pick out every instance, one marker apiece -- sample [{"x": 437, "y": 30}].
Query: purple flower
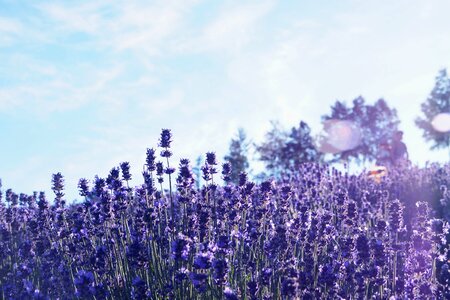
[
  {"x": 159, "y": 168},
  {"x": 84, "y": 283},
  {"x": 266, "y": 186},
  {"x": 83, "y": 187},
  {"x": 211, "y": 158},
  {"x": 230, "y": 294},
  {"x": 226, "y": 172},
  {"x": 149, "y": 183},
  {"x": 184, "y": 169},
  {"x": 58, "y": 187},
  {"x": 160, "y": 171},
  {"x": 362, "y": 246},
  {"x": 220, "y": 267},
  {"x": 181, "y": 247},
  {"x": 125, "y": 166},
  {"x": 58, "y": 182},
  {"x": 203, "y": 260},
  {"x": 243, "y": 177},
  {"x": 181, "y": 275},
  {"x": 150, "y": 159},
  {"x": 379, "y": 253},
  {"x": 42, "y": 202},
  {"x": 166, "y": 138},
  {"x": 136, "y": 253},
  {"x": 99, "y": 186},
  {"x": 113, "y": 180},
  {"x": 206, "y": 170},
  {"x": 139, "y": 289},
  {"x": 166, "y": 153},
  {"x": 223, "y": 242},
  {"x": 351, "y": 213},
  {"x": 381, "y": 226},
  {"x": 169, "y": 170},
  {"x": 395, "y": 215},
  {"x": 199, "y": 281}
]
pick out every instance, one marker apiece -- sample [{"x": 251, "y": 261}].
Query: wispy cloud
[
  {"x": 57, "y": 94},
  {"x": 123, "y": 70},
  {"x": 234, "y": 27},
  {"x": 86, "y": 18},
  {"x": 130, "y": 25},
  {"x": 8, "y": 25},
  {"x": 9, "y": 30}
]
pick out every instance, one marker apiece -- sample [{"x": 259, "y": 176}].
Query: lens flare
[
  {"x": 338, "y": 136},
  {"x": 441, "y": 122}
]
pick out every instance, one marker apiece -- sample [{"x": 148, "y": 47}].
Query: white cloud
[
  {"x": 9, "y": 99},
  {"x": 131, "y": 25},
  {"x": 8, "y": 25},
  {"x": 86, "y": 18},
  {"x": 234, "y": 27},
  {"x": 145, "y": 28},
  {"x": 10, "y": 29},
  {"x": 58, "y": 94},
  {"x": 159, "y": 106}
]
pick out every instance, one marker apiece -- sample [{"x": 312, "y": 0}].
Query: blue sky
[{"x": 87, "y": 85}]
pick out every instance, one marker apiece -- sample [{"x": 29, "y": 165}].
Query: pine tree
[
  {"x": 437, "y": 102},
  {"x": 300, "y": 148},
  {"x": 237, "y": 155},
  {"x": 283, "y": 152},
  {"x": 270, "y": 150}
]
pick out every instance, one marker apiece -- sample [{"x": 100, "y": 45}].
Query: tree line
[{"x": 373, "y": 126}]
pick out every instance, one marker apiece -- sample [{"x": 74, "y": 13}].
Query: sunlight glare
[{"x": 441, "y": 122}]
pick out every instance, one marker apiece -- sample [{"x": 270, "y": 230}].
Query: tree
[
  {"x": 283, "y": 152},
  {"x": 300, "y": 147},
  {"x": 374, "y": 125},
  {"x": 437, "y": 102},
  {"x": 237, "y": 155},
  {"x": 270, "y": 150}
]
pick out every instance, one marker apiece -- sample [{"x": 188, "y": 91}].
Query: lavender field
[
  {"x": 308, "y": 155},
  {"x": 318, "y": 234}
]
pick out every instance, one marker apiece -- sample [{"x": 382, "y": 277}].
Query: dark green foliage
[
  {"x": 437, "y": 102},
  {"x": 283, "y": 152},
  {"x": 237, "y": 155},
  {"x": 377, "y": 123}
]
